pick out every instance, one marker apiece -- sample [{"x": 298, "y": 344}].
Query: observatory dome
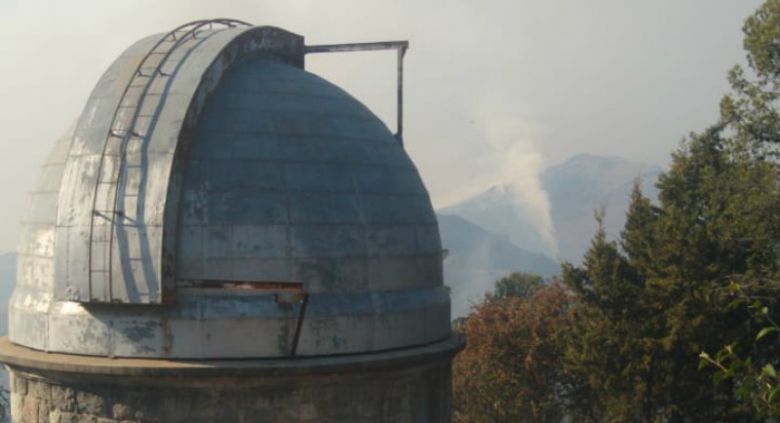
[{"x": 216, "y": 200}]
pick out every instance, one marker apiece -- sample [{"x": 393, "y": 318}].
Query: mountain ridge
[
  {"x": 476, "y": 258},
  {"x": 575, "y": 189}
]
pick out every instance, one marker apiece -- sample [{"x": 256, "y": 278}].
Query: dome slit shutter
[{"x": 114, "y": 236}]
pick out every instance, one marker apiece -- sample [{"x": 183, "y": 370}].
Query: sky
[{"x": 494, "y": 89}]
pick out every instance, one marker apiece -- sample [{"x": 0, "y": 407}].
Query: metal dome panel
[
  {"x": 279, "y": 216},
  {"x": 290, "y": 179},
  {"x": 113, "y": 204}
]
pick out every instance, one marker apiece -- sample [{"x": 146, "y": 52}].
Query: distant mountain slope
[
  {"x": 497, "y": 210},
  {"x": 575, "y": 188},
  {"x": 585, "y": 183},
  {"x": 476, "y": 258}
]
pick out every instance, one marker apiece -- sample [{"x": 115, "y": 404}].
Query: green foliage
[
  {"x": 761, "y": 30},
  {"x": 509, "y": 371},
  {"x": 751, "y": 365},
  {"x": 648, "y": 304},
  {"x": 676, "y": 320},
  {"x": 751, "y": 108},
  {"x": 518, "y": 284},
  {"x": 750, "y": 114}
]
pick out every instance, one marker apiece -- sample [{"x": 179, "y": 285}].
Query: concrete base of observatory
[{"x": 409, "y": 385}]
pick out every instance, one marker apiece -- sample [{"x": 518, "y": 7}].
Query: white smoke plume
[
  {"x": 511, "y": 164},
  {"x": 519, "y": 176},
  {"x": 518, "y": 165}
]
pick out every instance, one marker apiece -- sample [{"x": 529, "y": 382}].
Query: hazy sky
[{"x": 491, "y": 86}]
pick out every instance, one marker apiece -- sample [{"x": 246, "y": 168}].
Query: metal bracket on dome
[{"x": 399, "y": 46}]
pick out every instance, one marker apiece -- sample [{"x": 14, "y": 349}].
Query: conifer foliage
[{"x": 677, "y": 320}]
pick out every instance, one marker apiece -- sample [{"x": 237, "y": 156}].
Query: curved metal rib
[{"x": 121, "y": 133}]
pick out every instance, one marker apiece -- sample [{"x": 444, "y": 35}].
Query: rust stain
[{"x": 243, "y": 285}]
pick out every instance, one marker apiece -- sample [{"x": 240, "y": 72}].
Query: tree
[
  {"x": 750, "y": 115},
  {"x": 687, "y": 295},
  {"x": 510, "y": 370},
  {"x": 611, "y": 343},
  {"x": 518, "y": 284},
  {"x": 752, "y": 370},
  {"x": 650, "y": 303}
]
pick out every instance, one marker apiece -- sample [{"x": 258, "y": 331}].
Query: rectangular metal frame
[{"x": 399, "y": 46}]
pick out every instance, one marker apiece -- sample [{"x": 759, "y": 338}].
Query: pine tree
[{"x": 650, "y": 303}]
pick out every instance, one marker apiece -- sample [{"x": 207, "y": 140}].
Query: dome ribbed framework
[{"x": 222, "y": 202}]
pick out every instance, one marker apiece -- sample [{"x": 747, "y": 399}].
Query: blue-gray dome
[
  {"x": 227, "y": 204},
  {"x": 291, "y": 179}
]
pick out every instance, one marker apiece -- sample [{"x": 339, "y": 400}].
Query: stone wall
[{"x": 421, "y": 394}]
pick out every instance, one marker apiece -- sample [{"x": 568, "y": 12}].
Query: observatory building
[{"x": 225, "y": 237}]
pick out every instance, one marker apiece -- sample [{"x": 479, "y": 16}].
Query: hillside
[
  {"x": 477, "y": 257},
  {"x": 575, "y": 189},
  {"x": 501, "y": 210},
  {"x": 585, "y": 183}
]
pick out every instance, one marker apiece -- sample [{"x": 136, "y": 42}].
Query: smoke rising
[
  {"x": 511, "y": 169},
  {"x": 520, "y": 177},
  {"x": 515, "y": 180}
]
